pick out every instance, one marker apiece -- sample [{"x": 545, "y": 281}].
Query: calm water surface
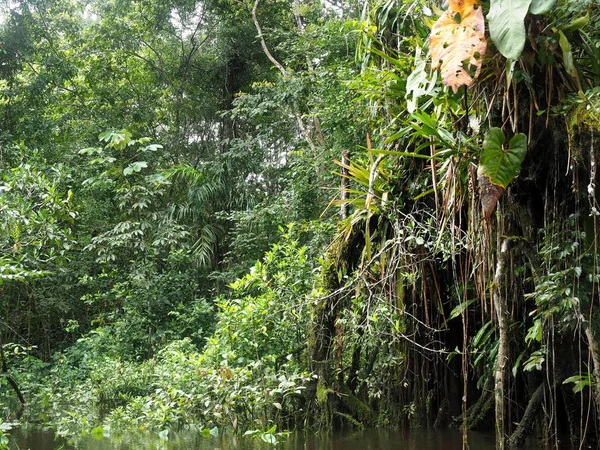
[{"x": 363, "y": 440}]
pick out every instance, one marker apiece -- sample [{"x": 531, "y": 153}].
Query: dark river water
[{"x": 363, "y": 440}]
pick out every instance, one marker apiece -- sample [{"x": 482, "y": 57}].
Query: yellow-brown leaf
[{"x": 457, "y": 43}]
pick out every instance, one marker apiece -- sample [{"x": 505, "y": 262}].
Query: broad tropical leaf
[
  {"x": 541, "y": 6},
  {"x": 457, "y": 42},
  {"x": 418, "y": 83},
  {"x": 498, "y": 166},
  {"x": 507, "y": 26},
  {"x": 501, "y": 164},
  {"x": 567, "y": 52}
]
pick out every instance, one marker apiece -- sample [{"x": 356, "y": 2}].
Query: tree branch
[
  {"x": 11, "y": 381},
  {"x": 264, "y": 44},
  {"x": 284, "y": 73}
]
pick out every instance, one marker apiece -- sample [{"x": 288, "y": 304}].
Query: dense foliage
[{"x": 243, "y": 216}]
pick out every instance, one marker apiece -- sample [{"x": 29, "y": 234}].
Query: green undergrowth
[
  {"x": 250, "y": 375},
  {"x": 170, "y": 391}
]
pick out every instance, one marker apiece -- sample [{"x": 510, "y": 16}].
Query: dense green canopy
[{"x": 271, "y": 215}]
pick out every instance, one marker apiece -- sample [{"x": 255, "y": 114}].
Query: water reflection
[{"x": 362, "y": 440}]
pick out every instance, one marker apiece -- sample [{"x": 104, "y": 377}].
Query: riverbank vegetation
[{"x": 262, "y": 216}]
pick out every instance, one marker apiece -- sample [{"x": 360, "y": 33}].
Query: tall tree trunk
[
  {"x": 594, "y": 345},
  {"x": 592, "y": 330},
  {"x": 501, "y": 307},
  {"x": 344, "y": 189}
]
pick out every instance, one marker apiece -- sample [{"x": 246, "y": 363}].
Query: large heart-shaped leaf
[
  {"x": 457, "y": 43},
  {"x": 502, "y": 164},
  {"x": 498, "y": 166},
  {"x": 507, "y": 26}
]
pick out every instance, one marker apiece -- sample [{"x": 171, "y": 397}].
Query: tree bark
[
  {"x": 12, "y": 381},
  {"x": 502, "y": 313},
  {"x": 344, "y": 189},
  {"x": 595, "y": 354},
  {"x": 477, "y": 413},
  {"x": 525, "y": 427}
]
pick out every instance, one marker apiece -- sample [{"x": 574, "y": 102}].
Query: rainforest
[{"x": 263, "y": 218}]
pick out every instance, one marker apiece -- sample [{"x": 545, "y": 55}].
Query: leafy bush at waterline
[{"x": 247, "y": 377}]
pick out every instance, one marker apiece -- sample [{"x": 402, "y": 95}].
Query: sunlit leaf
[
  {"x": 98, "y": 433},
  {"x": 269, "y": 438},
  {"x": 418, "y": 83},
  {"x": 576, "y": 24},
  {"x": 535, "y": 332},
  {"x": 135, "y": 167},
  {"x": 164, "y": 435},
  {"x": 535, "y": 361},
  {"x": 461, "y": 307},
  {"x": 507, "y": 27},
  {"x": 568, "y": 61},
  {"x": 541, "y": 6},
  {"x": 580, "y": 382},
  {"x": 457, "y": 43}
]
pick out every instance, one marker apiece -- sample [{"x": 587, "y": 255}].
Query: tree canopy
[{"x": 301, "y": 214}]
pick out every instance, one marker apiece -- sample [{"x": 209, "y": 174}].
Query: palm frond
[{"x": 204, "y": 247}]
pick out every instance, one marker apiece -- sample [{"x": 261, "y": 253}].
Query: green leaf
[
  {"x": 535, "y": 332},
  {"x": 452, "y": 354},
  {"x": 6, "y": 426},
  {"x": 540, "y": 7},
  {"x": 565, "y": 46},
  {"x": 507, "y": 26},
  {"x": 498, "y": 167},
  {"x": 105, "y": 136},
  {"x": 269, "y": 438},
  {"x": 460, "y": 308},
  {"x": 517, "y": 364},
  {"x": 482, "y": 336},
  {"x": 91, "y": 151},
  {"x": 502, "y": 165},
  {"x": 580, "y": 382},
  {"x": 576, "y": 24},
  {"x": 116, "y": 139},
  {"x": 535, "y": 361},
  {"x": 418, "y": 82},
  {"x": 164, "y": 435},
  {"x": 135, "y": 167},
  {"x": 151, "y": 148},
  {"x": 98, "y": 433}
]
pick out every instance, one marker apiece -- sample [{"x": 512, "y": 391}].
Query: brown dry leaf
[
  {"x": 458, "y": 41},
  {"x": 489, "y": 194}
]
